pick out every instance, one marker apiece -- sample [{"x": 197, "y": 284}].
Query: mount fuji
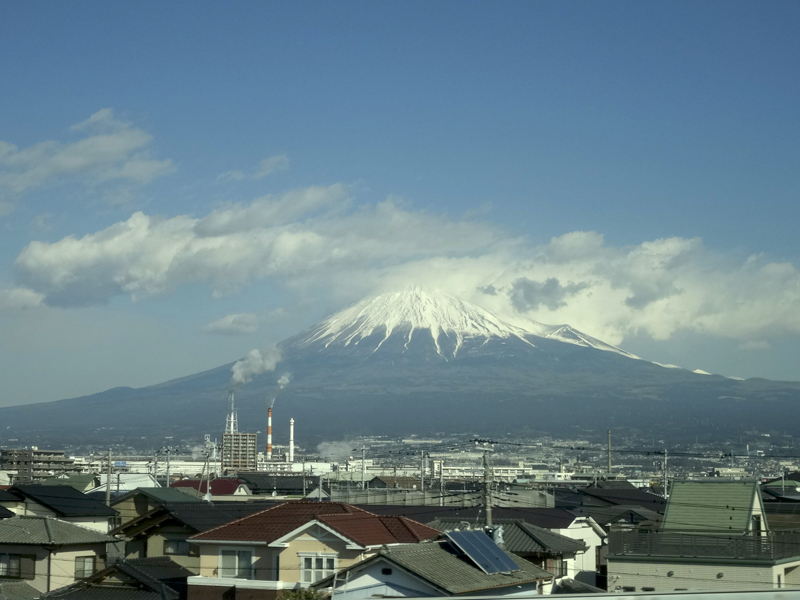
[{"x": 421, "y": 362}]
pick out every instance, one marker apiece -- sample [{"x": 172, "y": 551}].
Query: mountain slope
[{"x": 420, "y": 362}]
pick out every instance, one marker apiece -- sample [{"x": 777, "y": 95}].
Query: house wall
[
  {"x": 62, "y": 563},
  {"x": 584, "y": 566},
  {"x": 370, "y": 582},
  {"x": 100, "y": 523},
  {"x": 153, "y": 546},
  {"x": 696, "y": 576},
  {"x": 290, "y": 559},
  {"x": 133, "y": 507}
]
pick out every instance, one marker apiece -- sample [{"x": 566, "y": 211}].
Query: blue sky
[{"x": 277, "y": 161}]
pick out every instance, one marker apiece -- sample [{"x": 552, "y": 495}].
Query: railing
[{"x": 771, "y": 546}]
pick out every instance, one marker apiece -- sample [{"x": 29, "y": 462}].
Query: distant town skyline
[{"x": 183, "y": 183}]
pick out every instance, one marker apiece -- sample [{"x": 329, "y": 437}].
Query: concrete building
[
  {"x": 239, "y": 452},
  {"x": 32, "y": 464}
]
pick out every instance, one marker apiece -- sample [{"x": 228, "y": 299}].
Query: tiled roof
[
  {"x": 5, "y": 513},
  {"x": 407, "y": 483},
  {"x": 520, "y": 537},
  {"x": 223, "y": 486},
  {"x": 18, "y": 590},
  {"x": 8, "y": 496},
  {"x": 710, "y": 505},
  {"x": 160, "y": 568},
  {"x": 354, "y": 523},
  {"x": 444, "y": 567},
  {"x": 80, "y": 481},
  {"x": 202, "y": 516},
  {"x": 626, "y": 496},
  {"x": 65, "y": 501},
  {"x": 605, "y": 516},
  {"x": 47, "y": 530},
  {"x": 549, "y": 518},
  {"x": 82, "y": 591},
  {"x": 266, "y": 483},
  {"x": 159, "y": 494},
  {"x": 157, "y": 578}
]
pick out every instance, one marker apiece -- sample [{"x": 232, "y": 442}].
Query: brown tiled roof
[
  {"x": 360, "y": 526},
  {"x": 223, "y": 486}
]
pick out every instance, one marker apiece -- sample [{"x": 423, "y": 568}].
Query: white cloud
[
  {"x": 6, "y": 208},
  {"x": 268, "y": 166},
  {"x": 316, "y": 240},
  {"x": 239, "y": 324},
  {"x": 755, "y": 345},
  {"x": 230, "y": 176},
  {"x": 273, "y": 164},
  {"x": 19, "y": 299},
  {"x": 113, "y": 150},
  {"x": 309, "y": 232}
]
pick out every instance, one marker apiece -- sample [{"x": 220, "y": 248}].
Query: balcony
[{"x": 768, "y": 547}]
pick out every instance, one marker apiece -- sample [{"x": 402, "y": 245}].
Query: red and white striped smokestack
[
  {"x": 269, "y": 433},
  {"x": 291, "y": 440}
]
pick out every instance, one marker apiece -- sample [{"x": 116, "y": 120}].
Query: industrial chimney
[
  {"x": 291, "y": 440},
  {"x": 269, "y": 433}
]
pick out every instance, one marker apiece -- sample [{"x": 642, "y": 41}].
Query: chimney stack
[
  {"x": 291, "y": 440},
  {"x": 269, "y": 433}
]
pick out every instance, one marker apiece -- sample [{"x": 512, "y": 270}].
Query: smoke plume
[
  {"x": 284, "y": 380},
  {"x": 255, "y": 363},
  {"x": 335, "y": 451}
]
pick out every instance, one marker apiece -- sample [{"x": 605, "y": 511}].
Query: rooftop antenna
[{"x": 231, "y": 422}]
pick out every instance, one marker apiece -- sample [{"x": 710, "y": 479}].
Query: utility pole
[
  {"x": 363, "y": 467},
  {"x": 609, "y": 452},
  {"x": 168, "y": 453},
  {"x": 441, "y": 482},
  {"x": 108, "y": 480},
  {"x": 422, "y": 475},
  {"x": 304, "y": 477},
  {"x": 487, "y": 489},
  {"x": 666, "y": 476}
]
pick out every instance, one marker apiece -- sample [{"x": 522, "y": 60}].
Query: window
[
  {"x": 84, "y": 566},
  {"x": 316, "y": 567},
  {"x": 236, "y": 563},
  {"x": 177, "y": 547},
  {"x": 10, "y": 566}
]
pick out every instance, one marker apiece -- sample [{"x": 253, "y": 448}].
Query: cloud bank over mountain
[{"x": 321, "y": 238}]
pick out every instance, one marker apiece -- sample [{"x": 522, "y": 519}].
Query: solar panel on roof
[{"x": 483, "y": 551}]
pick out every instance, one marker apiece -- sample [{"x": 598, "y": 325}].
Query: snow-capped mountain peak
[
  {"x": 409, "y": 311},
  {"x": 414, "y": 311}
]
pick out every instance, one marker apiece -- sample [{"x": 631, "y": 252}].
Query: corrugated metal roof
[
  {"x": 47, "y": 530},
  {"x": 710, "y": 505}
]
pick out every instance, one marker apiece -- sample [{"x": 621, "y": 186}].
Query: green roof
[
  {"x": 521, "y": 537},
  {"x": 711, "y": 506},
  {"x": 80, "y": 482},
  {"x": 48, "y": 530},
  {"x": 436, "y": 563}
]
